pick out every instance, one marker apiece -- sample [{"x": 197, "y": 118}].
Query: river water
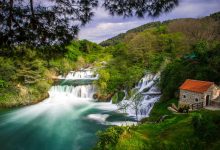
[{"x": 67, "y": 120}]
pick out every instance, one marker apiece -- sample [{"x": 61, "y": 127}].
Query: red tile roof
[{"x": 196, "y": 85}]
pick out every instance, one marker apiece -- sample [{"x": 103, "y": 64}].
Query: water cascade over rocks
[
  {"x": 146, "y": 93},
  {"x": 81, "y": 91},
  {"x": 70, "y": 117},
  {"x": 67, "y": 120},
  {"x": 82, "y": 74}
]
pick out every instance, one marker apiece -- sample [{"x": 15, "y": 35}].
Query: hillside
[{"x": 120, "y": 37}]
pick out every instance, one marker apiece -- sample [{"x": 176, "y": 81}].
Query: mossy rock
[
  {"x": 102, "y": 98},
  {"x": 146, "y": 90}
]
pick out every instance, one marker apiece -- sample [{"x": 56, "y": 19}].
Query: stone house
[{"x": 198, "y": 94}]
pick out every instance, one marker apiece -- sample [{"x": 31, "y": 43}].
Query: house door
[{"x": 207, "y": 100}]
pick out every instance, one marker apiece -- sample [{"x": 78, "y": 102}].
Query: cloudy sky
[{"x": 103, "y": 26}]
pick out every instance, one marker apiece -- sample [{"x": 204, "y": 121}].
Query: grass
[
  {"x": 176, "y": 132},
  {"x": 160, "y": 109},
  {"x": 167, "y": 133}
]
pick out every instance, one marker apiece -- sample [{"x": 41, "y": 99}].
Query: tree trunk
[
  {"x": 32, "y": 8},
  {"x": 11, "y": 14},
  {"x": 33, "y": 20},
  {"x": 136, "y": 112}
]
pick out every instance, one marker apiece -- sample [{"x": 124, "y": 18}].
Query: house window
[
  {"x": 196, "y": 100},
  {"x": 184, "y": 96}
]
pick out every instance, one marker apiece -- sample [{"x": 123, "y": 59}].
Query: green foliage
[
  {"x": 121, "y": 95},
  {"x": 162, "y": 29},
  {"x": 62, "y": 65},
  {"x": 216, "y": 16},
  {"x": 104, "y": 78},
  {"x": 125, "y": 69},
  {"x": 115, "y": 98},
  {"x": 160, "y": 109},
  {"x": 3, "y": 84},
  {"x": 26, "y": 75},
  {"x": 7, "y": 69},
  {"x": 172, "y": 44},
  {"x": 73, "y": 51},
  {"x": 109, "y": 138},
  {"x": 180, "y": 49},
  {"x": 206, "y": 126},
  {"x": 155, "y": 47},
  {"x": 118, "y": 97},
  {"x": 120, "y": 38},
  {"x": 155, "y": 61},
  {"x": 205, "y": 66},
  {"x": 196, "y": 130}
]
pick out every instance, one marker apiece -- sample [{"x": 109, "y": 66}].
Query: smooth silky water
[{"x": 67, "y": 120}]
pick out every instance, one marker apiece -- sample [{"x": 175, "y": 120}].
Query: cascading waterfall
[
  {"x": 67, "y": 120},
  {"x": 81, "y": 91},
  {"x": 82, "y": 74},
  {"x": 76, "y": 91},
  {"x": 70, "y": 117},
  {"x": 141, "y": 103}
]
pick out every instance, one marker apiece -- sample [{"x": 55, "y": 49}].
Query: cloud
[
  {"x": 106, "y": 30},
  {"x": 104, "y": 26}
]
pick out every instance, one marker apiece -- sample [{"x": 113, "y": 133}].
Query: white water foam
[
  {"x": 82, "y": 74},
  {"x": 63, "y": 99},
  {"x": 150, "y": 94},
  {"x": 82, "y": 91},
  {"x": 98, "y": 117},
  {"x": 66, "y": 98}
]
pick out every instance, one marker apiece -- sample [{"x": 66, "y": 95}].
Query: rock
[{"x": 102, "y": 98}]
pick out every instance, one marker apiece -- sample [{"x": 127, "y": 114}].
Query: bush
[
  {"x": 205, "y": 127},
  {"x": 3, "y": 84},
  {"x": 109, "y": 138}
]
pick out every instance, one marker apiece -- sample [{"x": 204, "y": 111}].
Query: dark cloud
[{"x": 104, "y": 26}]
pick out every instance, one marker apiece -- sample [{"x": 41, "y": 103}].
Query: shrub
[
  {"x": 205, "y": 127},
  {"x": 109, "y": 138},
  {"x": 3, "y": 84}
]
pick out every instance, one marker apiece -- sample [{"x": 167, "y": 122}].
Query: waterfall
[
  {"x": 143, "y": 100},
  {"x": 140, "y": 103},
  {"x": 82, "y": 91},
  {"x": 69, "y": 117},
  {"x": 82, "y": 74}
]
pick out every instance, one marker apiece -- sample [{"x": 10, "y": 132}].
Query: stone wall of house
[
  {"x": 213, "y": 94},
  {"x": 213, "y": 91},
  {"x": 191, "y": 97},
  {"x": 210, "y": 93}
]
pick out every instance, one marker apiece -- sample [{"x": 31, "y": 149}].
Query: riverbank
[
  {"x": 24, "y": 95},
  {"x": 24, "y": 101},
  {"x": 175, "y": 132},
  {"x": 70, "y": 112}
]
